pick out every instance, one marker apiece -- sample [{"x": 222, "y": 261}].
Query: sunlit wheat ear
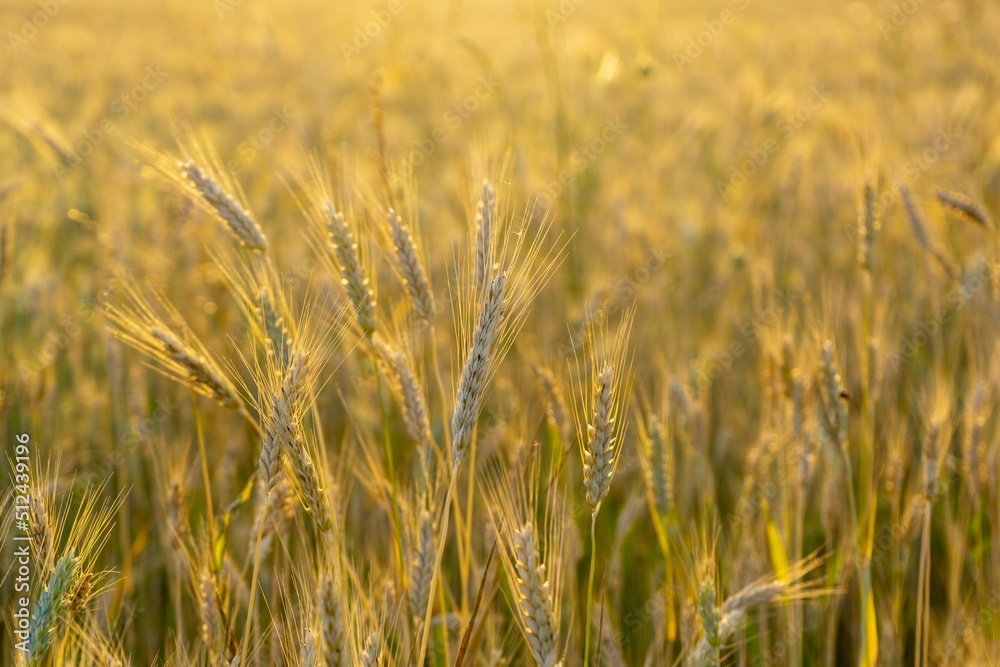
[
  {"x": 52, "y": 609},
  {"x": 407, "y": 389},
  {"x": 485, "y": 218},
  {"x": 421, "y": 566},
  {"x": 200, "y": 174},
  {"x": 180, "y": 356},
  {"x": 964, "y": 206},
  {"x": 867, "y": 225},
  {"x": 599, "y": 406},
  {"x": 334, "y": 644},
  {"x": 208, "y": 606},
  {"x": 532, "y": 551},
  {"x": 477, "y": 369},
  {"x": 348, "y": 261},
  {"x": 279, "y": 339},
  {"x": 410, "y": 268},
  {"x": 238, "y": 219}
]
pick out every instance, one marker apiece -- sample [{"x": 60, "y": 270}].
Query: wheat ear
[
  {"x": 238, "y": 219},
  {"x": 411, "y": 269},
  {"x": 472, "y": 384}
]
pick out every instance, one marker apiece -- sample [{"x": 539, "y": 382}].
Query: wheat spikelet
[
  {"x": 833, "y": 416},
  {"x": 968, "y": 208},
  {"x": 52, "y": 608},
  {"x": 348, "y": 262},
  {"x": 555, "y": 404},
  {"x": 201, "y": 372},
  {"x": 308, "y": 656},
  {"x": 279, "y": 341},
  {"x": 371, "y": 650},
  {"x": 600, "y": 454},
  {"x": 408, "y": 391},
  {"x": 41, "y": 533},
  {"x": 660, "y": 467},
  {"x": 239, "y": 220},
  {"x": 410, "y": 268},
  {"x": 534, "y": 598},
  {"x": 485, "y": 233},
  {"x": 208, "y": 606},
  {"x": 476, "y": 371},
  {"x": 421, "y": 567},
  {"x": 333, "y": 633}
]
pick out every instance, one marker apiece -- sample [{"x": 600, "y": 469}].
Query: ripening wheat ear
[
  {"x": 339, "y": 244},
  {"x": 488, "y": 316},
  {"x": 963, "y": 205},
  {"x": 485, "y": 217},
  {"x": 600, "y": 403},
  {"x": 532, "y": 551},
  {"x": 408, "y": 390},
  {"x": 173, "y": 349},
  {"x": 200, "y": 174}
]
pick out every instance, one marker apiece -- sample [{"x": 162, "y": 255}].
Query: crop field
[{"x": 478, "y": 333}]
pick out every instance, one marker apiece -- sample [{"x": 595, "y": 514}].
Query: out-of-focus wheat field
[{"x": 680, "y": 349}]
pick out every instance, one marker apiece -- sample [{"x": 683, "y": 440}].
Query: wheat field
[{"x": 551, "y": 332}]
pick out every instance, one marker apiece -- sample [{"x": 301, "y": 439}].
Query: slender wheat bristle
[
  {"x": 411, "y": 269},
  {"x": 333, "y": 633},
  {"x": 534, "y": 598},
  {"x": 239, "y": 220},
  {"x": 485, "y": 216},
  {"x": 421, "y": 567},
  {"x": 475, "y": 373},
  {"x": 754, "y": 595},
  {"x": 968, "y": 208},
  {"x": 352, "y": 273}
]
